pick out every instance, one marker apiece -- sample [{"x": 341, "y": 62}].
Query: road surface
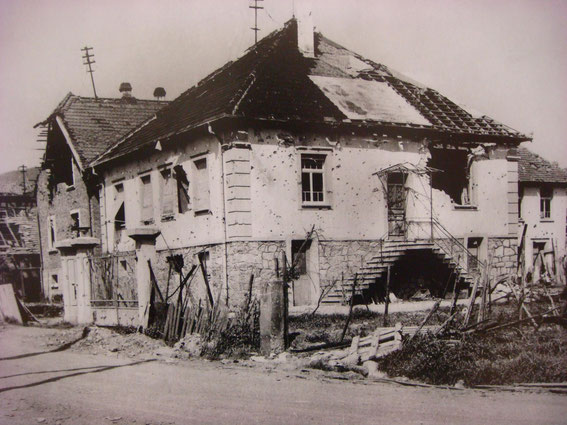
[{"x": 38, "y": 386}]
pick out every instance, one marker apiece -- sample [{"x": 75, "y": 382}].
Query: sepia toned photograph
[{"x": 283, "y": 212}]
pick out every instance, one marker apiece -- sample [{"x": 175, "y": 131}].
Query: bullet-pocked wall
[{"x": 273, "y": 187}]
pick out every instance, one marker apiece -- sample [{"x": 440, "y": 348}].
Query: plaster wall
[{"x": 182, "y": 230}]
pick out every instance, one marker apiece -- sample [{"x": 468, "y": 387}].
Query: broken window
[
  {"x": 545, "y": 197},
  {"x": 453, "y": 175},
  {"x": 312, "y": 179},
  {"x": 146, "y": 200},
  {"x": 167, "y": 195},
  {"x": 75, "y": 224},
  {"x": 183, "y": 200},
  {"x": 51, "y": 233},
  {"x": 201, "y": 189},
  {"x": 119, "y": 212}
]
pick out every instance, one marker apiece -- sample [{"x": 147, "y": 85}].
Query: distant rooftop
[{"x": 534, "y": 169}]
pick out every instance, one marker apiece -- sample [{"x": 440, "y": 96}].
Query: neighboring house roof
[
  {"x": 11, "y": 182},
  {"x": 274, "y": 81},
  {"x": 532, "y": 168},
  {"x": 94, "y": 124}
]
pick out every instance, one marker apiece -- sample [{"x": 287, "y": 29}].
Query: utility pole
[
  {"x": 255, "y": 28},
  {"x": 23, "y": 170},
  {"x": 88, "y": 56}
]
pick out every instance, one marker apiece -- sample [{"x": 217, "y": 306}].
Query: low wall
[{"x": 112, "y": 316}]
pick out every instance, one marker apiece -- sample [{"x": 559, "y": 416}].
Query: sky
[{"x": 504, "y": 58}]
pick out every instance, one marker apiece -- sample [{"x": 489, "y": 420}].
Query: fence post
[
  {"x": 273, "y": 318},
  {"x": 145, "y": 238}
]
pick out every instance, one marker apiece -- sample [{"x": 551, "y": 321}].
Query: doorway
[{"x": 396, "y": 200}]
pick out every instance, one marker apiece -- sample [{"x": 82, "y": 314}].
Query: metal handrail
[{"x": 438, "y": 225}]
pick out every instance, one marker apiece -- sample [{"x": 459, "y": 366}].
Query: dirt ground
[{"x": 141, "y": 384}]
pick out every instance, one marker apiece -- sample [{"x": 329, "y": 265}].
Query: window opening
[
  {"x": 119, "y": 212},
  {"x": 202, "y": 191},
  {"x": 453, "y": 178},
  {"x": 147, "y": 200},
  {"x": 167, "y": 194},
  {"x": 75, "y": 224},
  {"x": 545, "y": 197},
  {"x": 54, "y": 281},
  {"x": 183, "y": 199},
  {"x": 312, "y": 179},
  {"x": 51, "y": 237}
]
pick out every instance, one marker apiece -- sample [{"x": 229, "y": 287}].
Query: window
[
  {"x": 201, "y": 190},
  {"x": 312, "y": 179},
  {"x": 545, "y": 197},
  {"x": 51, "y": 233},
  {"x": 453, "y": 175},
  {"x": 183, "y": 200},
  {"x": 119, "y": 212},
  {"x": 146, "y": 201},
  {"x": 54, "y": 281},
  {"x": 76, "y": 224},
  {"x": 167, "y": 194}
]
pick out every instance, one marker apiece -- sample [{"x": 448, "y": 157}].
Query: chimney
[
  {"x": 305, "y": 36},
  {"x": 126, "y": 90}
]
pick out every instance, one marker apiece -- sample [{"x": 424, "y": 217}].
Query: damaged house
[
  {"x": 542, "y": 215},
  {"x": 78, "y": 131},
  {"x": 19, "y": 245},
  {"x": 303, "y": 147}
]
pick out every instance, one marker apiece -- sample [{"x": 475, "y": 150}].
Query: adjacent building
[{"x": 78, "y": 130}]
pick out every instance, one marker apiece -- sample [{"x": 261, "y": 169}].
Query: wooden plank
[{"x": 8, "y": 305}]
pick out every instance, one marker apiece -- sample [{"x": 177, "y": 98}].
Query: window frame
[
  {"x": 201, "y": 204},
  {"x": 143, "y": 219},
  {"x": 323, "y": 171},
  {"x": 545, "y": 201},
  {"x": 173, "y": 188}
]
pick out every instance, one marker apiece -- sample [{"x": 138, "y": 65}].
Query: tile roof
[
  {"x": 533, "y": 168},
  {"x": 94, "y": 124},
  {"x": 274, "y": 81}
]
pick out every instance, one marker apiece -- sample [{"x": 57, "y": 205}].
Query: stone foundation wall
[
  {"x": 338, "y": 259},
  {"x": 245, "y": 258},
  {"x": 503, "y": 256}
]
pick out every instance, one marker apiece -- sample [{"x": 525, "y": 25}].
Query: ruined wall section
[{"x": 63, "y": 200}]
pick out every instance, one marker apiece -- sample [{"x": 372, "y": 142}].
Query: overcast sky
[{"x": 504, "y": 58}]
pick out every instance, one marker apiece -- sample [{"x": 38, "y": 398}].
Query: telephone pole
[
  {"x": 88, "y": 56},
  {"x": 255, "y": 28},
  {"x": 23, "y": 170}
]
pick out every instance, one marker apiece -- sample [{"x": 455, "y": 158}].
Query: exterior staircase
[{"x": 391, "y": 252}]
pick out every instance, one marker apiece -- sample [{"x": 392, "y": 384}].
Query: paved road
[{"x": 74, "y": 388}]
